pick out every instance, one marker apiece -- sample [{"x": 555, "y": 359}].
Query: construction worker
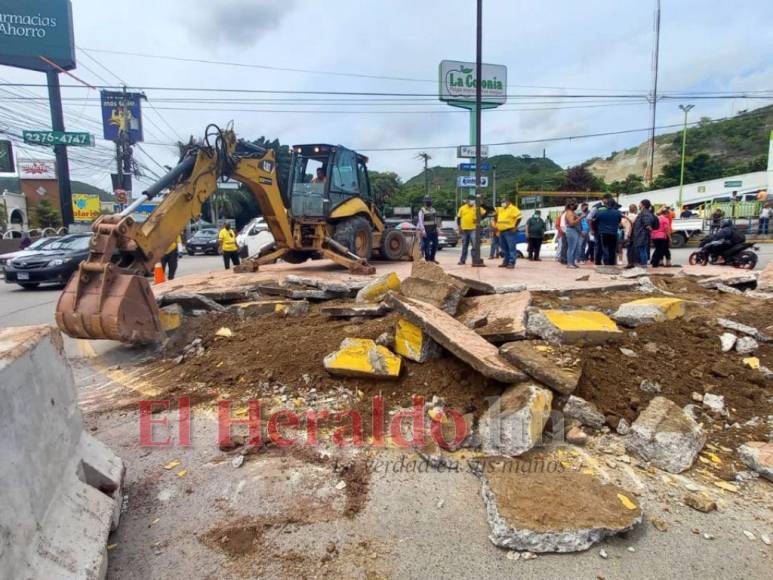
[
  {"x": 465, "y": 218},
  {"x": 226, "y": 243},
  {"x": 169, "y": 259},
  {"x": 428, "y": 224},
  {"x": 508, "y": 218}
]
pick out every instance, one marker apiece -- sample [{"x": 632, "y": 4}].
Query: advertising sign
[
  {"x": 33, "y": 28},
  {"x": 471, "y": 166},
  {"x": 6, "y": 157},
  {"x": 37, "y": 169},
  {"x": 469, "y": 181},
  {"x": 121, "y": 112},
  {"x": 85, "y": 207},
  {"x": 458, "y": 82},
  {"x": 733, "y": 183},
  {"x": 468, "y": 151},
  {"x": 58, "y": 138}
]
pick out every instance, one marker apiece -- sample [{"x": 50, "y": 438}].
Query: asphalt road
[{"x": 19, "y": 307}]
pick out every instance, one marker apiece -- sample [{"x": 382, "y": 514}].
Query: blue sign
[
  {"x": 122, "y": 112},
  {"x": 471, "y": 167}
]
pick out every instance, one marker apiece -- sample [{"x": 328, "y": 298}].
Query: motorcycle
[{"x": 742, "y": 256}]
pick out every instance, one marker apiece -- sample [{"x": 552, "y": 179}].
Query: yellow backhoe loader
[{"x": 326, "y": 212}]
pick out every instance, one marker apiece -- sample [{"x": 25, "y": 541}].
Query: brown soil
[{"x": 562, "y": 500}]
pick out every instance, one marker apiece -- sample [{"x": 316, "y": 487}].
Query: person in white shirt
[{"x": 762, "y": 228}]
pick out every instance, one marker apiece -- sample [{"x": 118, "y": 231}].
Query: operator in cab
[
  {"x": 226, "y": 243},
  {"x": 320, "y": 177}
]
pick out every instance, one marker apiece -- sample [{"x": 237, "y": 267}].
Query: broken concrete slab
[
  {"x": 727, "y": 341},
  {"x": 170, "y": 317},
  {"x": 191, "y": 301},
  {"x": 413, "y": 343},
  {"x": 269, "y": 306},
  {"x": 746, "y": 345},
  {"x": 609, "y": 270},
  {"x": 441, "y": 294},
  {"x": 584, "y": 411},
  {"x": 362, "y": 357},
  {"x": 475, "y": 287},
  {"x": 634, "y": 273},
  {"x": 744, "y": 329},
  {"x": 514, "y": 423},
  {"x": 547, "y": 510},
  {"x": 295, "y": 292},
  {"x": 572, "y": 326},
  {"x": 649, "y": 310},
  {"x": 758, "y": 456},
  {"x": 60, "y": 489},
  {"x": 504, "y": 315},
  {"x": 376, "y": 290},
  {"x": 747, "y": 279},
  {"x": 765, "y": 279},
  {"x": 666, "y": 436},
  {"x": 340, "y": 288},
  {"x": 539, "y": 365},
  {"x": 455, "y": 337},
  {"x": 353, "y": 309}
]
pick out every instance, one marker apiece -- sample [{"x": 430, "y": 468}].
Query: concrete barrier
[{"x": 60, "y": 489}]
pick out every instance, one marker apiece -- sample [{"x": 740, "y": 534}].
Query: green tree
[
  {"x": 631, "y": 184},
  {"x": 3, "y": 215},
  {"x": 45, "y": 215},
  {"x": 384, "y": 186},
  {"x": 579, "y": 178}
]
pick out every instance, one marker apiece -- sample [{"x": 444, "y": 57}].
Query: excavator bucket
[{"x": 101, "y": 301}]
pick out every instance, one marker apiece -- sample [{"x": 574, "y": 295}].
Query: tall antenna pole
[{"x": 654, "y": 104}]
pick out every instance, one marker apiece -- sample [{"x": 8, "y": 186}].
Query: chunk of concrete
[
  {"x": 60, "y": 489},
  {"x": 765, "y": 279},
  {"x": 532, "y": 506},
  {"x": 475, "y": 287},
  {"x": 758, "y": 456},
  {"x": 438, "y": 293},
  {"x": 748, "y": 279},
  {"x": 584, "y": 411},
  {"x": 191, "y": 301},
  {"x": 353, "y": 309},
  {"x": 295, "y": 292},
  {"x": 746, "y": 345},
  {"x": 456, "y": 338},
  {"x": 744, "y": 329},
  {"x": 666, "y": 436},
  {"x": 291, "y": 308},
  {"x": 714, "y": 402},
  {"x": 171, "y": 317},
  {"x": 634, "y": 273},
  {"x": 270, "y": 306},
  {"x": 412, "y": 343},
  {"x": 727, "y": 341},
  {"x": 341, "y": 289},
  {"x": 649, "y": 310},
  {"x": 377, "y": 290},
  {"x": 362, "y": 357},
  {"x": 504, "y": 315},
  {"x": 538, "y": 365},
  {"x": 514, "y": 424},
  {"x": 572, "y": 326}
]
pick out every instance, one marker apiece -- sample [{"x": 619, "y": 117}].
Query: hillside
[{"x": 734, "y": 145}]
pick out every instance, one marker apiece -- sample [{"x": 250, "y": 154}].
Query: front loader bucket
[{"x": 102, "y": 302}]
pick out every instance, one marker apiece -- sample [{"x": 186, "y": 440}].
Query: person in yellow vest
[
  {"x": 169, "y": 259},
  {"x": 465, "y": 217},
  {"x": 508, "y": 218},
  {"x": 226, "y": 243}
]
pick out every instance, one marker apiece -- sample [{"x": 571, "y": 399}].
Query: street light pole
[
  {"x": 686, "y": 109},
  {"x": 476, "y": 259}
]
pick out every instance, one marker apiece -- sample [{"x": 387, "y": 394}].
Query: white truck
[{"x": 685, "y": 229}]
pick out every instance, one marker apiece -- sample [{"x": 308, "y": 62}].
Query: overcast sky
[{"x": 572, "y": 47}]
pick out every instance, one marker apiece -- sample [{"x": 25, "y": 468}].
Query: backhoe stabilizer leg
[
  {"x": 360, "y": 267},
  {"x": 253, "y": 264}
]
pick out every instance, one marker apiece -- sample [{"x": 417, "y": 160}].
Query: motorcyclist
[{"x": 726, "y": 241}]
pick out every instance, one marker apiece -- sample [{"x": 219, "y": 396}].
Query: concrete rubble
[
  {"x": 649, "y": 310},
  {"x": 359, "y": 357},
  {"x": 572, "y": 326},
  {"x": 413, "y": 343},
  {"x": 376, "y": 290},
  {"x": 744, "y": 329},
  {"x": 503, "y": 316},
  {"x": 429, "y": 283},
  {"x": 260, "y": 307},
  {"x": 456, "y": 338},
  {"x": 354, "y": 309},
  {"x": 191, "y": 301},
  {"x": 758, "y": 456},
  {"x": 666, "y": 436},
  {"x": 514, "y": 423},
  {"x": 532, "y": 357},
  {"x": 585, "y": 412},
  {"x": 60, "y": 488}
]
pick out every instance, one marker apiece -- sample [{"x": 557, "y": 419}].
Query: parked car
[
  {"x": 548, "y": 249},
  {"x": 452, "y": 236},
  {"x": 202, "y": 242},
  {"x": 442, "y": 241},
  {"x": 38, "y": 244},
  {"x": 254, "y": 237},
  {"x": 53, "y": 264}
]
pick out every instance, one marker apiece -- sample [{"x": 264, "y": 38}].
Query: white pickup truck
[{"x": 684, "y": 229}]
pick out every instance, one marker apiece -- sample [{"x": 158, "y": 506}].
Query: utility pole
[
  {"x": 494, "y": 188},
  {"x": 476, "y": 259},
  {"x": 655, "y": 61},
  {"x": 426, "y": 157},
  {"x": 60, "y": 151},
  {"x": 686, "y": 109}
]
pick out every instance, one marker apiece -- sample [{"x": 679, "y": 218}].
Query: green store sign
[{"x": 31, "y": 29}]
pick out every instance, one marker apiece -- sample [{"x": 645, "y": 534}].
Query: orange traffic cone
[{"x": 158, "y": 274}]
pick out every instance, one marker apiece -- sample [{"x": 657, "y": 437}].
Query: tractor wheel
[
  {"x": 356, "y": 234},
  {"x": 393, "y": 246}
]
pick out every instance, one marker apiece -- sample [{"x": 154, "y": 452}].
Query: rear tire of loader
[
  {"x": 393, "y": 245},
  {"x": 356, "y": 234}
]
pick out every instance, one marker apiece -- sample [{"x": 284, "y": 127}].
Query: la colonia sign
[{"x": 458, "y": 82}]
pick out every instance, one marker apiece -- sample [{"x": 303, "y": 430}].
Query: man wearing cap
[
  {"x": 465, "y": 217},
  {"x": 428, "y": 224},
  {"x": 508, "y": 218}
]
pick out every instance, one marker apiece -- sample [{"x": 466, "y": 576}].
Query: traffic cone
[{"x": 158, "y": 274}]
